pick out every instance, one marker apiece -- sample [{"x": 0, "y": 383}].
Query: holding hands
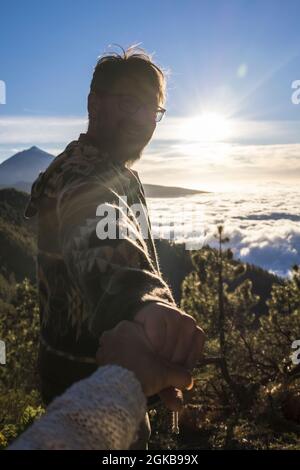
[{"x": 160, "y": 346}]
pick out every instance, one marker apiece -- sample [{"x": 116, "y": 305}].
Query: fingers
[
  {"x": 154, "y": 326},
  {"x": 174, "y": 376},
  {"x": 196, "y": 350},
  {"x": 170, "y": 338},
  {"x": 173, "y": 334},
  {"x": 116, "y": 344},
  {"x": 128, "y": 346},
  {"x": 185, "y": 334},
  {"x": 188, "y": 346},
  {"x": 179, "y": 330}
]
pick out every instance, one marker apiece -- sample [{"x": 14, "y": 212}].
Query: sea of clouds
[{"x": 263, "y": 227}]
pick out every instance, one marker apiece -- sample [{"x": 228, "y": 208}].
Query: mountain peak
[
  {"x": 35, "y": 149},
  {"x": 24, "y": 166}
]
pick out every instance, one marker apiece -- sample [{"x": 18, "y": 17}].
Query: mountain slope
[
  {"x": 155, "y": 190},
  {"x": 17, "y": 236}
]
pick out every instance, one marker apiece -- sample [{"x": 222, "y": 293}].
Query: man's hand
[
  {"x": 176, "y": 337},
  {"x": 173, "y": 334},
  {"x": 126, "y": 345}
]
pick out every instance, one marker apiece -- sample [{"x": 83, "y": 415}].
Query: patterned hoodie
[{"x": 88, "y": 282}]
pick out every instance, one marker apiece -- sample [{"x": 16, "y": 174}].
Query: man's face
[{"x": 126, "y": 118}]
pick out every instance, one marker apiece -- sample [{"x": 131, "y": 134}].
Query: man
[{"x": 88, "y": 282}]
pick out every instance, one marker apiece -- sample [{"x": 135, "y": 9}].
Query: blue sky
[{"x": 234, "y": 60}]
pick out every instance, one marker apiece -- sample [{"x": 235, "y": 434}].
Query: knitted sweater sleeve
[{"x": 101, "y": 412}]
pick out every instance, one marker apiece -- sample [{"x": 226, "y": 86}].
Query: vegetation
[
  {"x": 17, "y": 236},
  {"x": 20, "y": 401},
  {"x": 247, "y": 390}
]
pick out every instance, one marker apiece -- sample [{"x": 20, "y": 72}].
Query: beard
[{"x": 124, "y": 145}]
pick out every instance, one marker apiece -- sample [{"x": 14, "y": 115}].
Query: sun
[{"x": 207, "y": 127}]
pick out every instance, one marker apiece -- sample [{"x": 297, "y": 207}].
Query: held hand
[
  {"x": 176, "y": 337},
  {"x": 173, "y": 334},
  {"x": 126, "y": 345}
]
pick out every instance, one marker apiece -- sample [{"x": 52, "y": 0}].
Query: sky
[{"x": 232, "y": 118}]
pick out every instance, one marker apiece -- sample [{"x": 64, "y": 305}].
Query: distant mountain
[
  {"x": 20, "y": 170},
  {"x": 155, "y": 190},
  {"x": 24, "y": 167}
]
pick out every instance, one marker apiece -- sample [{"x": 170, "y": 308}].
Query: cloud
[
  {"x": 14, "y": 129},
  {"x": 222, "y": 166},
  {"x": 272, "y": 216},
  {"x": 258, "y": 233}
]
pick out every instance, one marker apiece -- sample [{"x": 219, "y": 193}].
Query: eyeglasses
[{"x": 129, "y": 104}]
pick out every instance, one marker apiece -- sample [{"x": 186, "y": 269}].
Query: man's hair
[{"x": 133, "y": 62}]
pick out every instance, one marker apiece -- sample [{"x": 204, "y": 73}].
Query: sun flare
[{"x": 207, "y": 127}]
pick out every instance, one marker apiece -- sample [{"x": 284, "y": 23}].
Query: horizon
[
  {"x": 53, "y": 156},
  {"x": 266, "y": 188}
]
